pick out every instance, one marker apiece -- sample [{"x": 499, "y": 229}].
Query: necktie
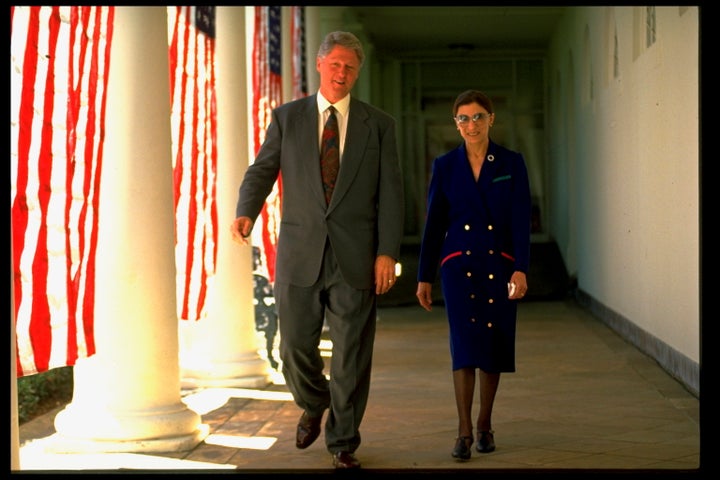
[{"x": 330, "y": 154}]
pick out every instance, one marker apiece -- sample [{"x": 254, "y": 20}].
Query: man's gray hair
[{"x": 344, "y": 39}]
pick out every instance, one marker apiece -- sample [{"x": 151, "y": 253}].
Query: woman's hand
[
  {"x": 424, "y": 295},
  {"x": 518, "y": 286}
]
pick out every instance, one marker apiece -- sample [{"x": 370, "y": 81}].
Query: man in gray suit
[{"x": 333, "y": 259}]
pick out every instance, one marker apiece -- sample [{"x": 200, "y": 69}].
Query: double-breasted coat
[{"x": 477, "y": 233}]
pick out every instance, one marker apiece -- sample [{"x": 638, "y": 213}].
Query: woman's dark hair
[{"x": 473, "y": 96}]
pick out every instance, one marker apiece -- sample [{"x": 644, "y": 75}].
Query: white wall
[{"x": 632, "y": 166}]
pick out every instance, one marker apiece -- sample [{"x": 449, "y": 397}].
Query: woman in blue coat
[{"x": 477, "y": 234}]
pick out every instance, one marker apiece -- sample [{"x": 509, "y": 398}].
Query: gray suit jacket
[{"x": 365, "y": 217}]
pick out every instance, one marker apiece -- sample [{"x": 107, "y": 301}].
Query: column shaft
[
  {"x": 222, "y": 349},
  {"x": 127, "y": 396}
]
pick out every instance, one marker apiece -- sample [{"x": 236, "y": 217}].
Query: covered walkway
[{"x": 582, "y": 400}]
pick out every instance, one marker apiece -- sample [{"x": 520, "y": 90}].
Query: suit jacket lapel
[
  {"x": 355, "y": 141},
  {"x": 309, "y": 149}
]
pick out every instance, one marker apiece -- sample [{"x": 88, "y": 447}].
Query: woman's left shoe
[
  {"x": 463, "y": 448},
  {"x": 486, "y": 441}
]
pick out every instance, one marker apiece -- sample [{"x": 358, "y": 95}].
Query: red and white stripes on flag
[
  {"x": 267, "y": 94},
  {"x": 194, "y": 152},
  {"x": 297, "y": 49},
  {"x": 59, "y": 64}
]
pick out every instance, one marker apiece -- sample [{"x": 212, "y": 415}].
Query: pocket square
[{"x": 500, "y": 179}]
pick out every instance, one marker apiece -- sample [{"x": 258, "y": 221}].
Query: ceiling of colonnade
[{"x": 410, "y": 31}]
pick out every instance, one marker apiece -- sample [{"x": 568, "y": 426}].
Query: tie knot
[
  {"x": 331, "y": 112},
  {"x": 331, "y": 121}
]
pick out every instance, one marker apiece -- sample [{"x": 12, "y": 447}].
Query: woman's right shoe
[
  {"x": 463, "y": 447},
  {"x": 486, "y": 441}
]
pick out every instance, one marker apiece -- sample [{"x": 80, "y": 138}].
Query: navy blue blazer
[
  {"x": 477, "y": 234},
  {"x": 497, "y": 208}
]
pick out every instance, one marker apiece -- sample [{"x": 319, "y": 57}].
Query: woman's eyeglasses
[{"x": 464, "y": 119}]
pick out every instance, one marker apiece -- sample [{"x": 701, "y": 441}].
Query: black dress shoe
[
  {"x": 463, "y": 446},
  {"x": 308, "y": 430},
  {"x": 486, "y": 441},
  {"x": 345, "y": 460}
]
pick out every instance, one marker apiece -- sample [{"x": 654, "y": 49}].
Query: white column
[
  {"x": 313, "y": 38},
  {"x": 127, "y": 396},
  {"x": 222, "y": 349},
  {"x": 14, "y": 414}
]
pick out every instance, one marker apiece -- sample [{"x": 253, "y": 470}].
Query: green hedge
[{"x": 42, "y": 392}]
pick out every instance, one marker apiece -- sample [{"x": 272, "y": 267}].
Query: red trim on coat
[{"x": 448, "y": 257}]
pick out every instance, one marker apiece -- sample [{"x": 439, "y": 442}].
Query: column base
[
  {"x": 86, "y": 428},
  {"x": 252, "y": 373},
  {"x": 59, "y": 443}
]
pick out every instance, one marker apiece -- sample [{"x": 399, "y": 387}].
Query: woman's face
[{"x": 474, "y": 122}]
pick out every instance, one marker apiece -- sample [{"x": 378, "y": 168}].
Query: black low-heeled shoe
[
  {"x": 486, "y": 441},
  {"x": 463, "y": 448}
]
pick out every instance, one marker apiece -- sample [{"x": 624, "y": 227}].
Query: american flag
[
  {"x": 191, "y": 32},
  {"x": 267, "y": 94},
  {"x": 59, "y": 64},
  {"x": 297, "y": 47}
]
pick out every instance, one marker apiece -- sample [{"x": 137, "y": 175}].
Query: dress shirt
[{"x": 341, "y": 111}]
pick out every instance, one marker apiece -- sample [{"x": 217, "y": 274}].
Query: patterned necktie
[{"x": 330, "y": 154}]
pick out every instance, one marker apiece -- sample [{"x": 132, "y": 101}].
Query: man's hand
[
  {"x": 384, "y": 274},
  {"x": 240, "y": 230}
]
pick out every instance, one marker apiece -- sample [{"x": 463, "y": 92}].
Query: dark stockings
[
  {"x": 464, "y": 382},
  {"x": 488, "y": 388}
]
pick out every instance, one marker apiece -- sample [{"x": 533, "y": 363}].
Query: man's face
[{"x": 338, "y": 72}]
